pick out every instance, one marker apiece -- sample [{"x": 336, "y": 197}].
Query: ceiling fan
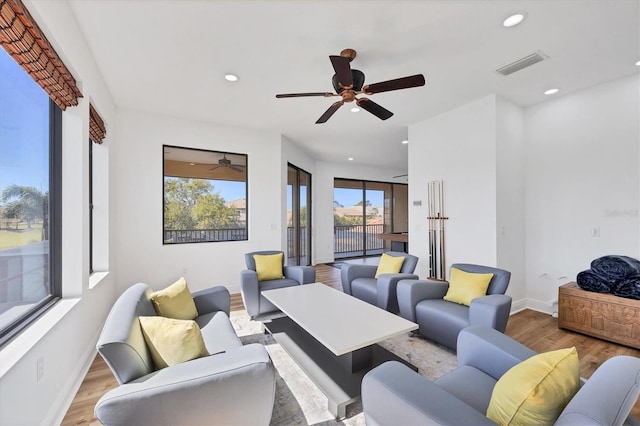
[
  {"x": 349, "y": 82},
  {"x": 225, "y": 162}
]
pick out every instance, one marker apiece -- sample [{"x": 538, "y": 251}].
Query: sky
[
  {"x": 24, "y": 128},
  {"x": 351, "y": 197}
]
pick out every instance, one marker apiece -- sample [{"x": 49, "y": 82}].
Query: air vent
[{"x": 522, "y": 63}]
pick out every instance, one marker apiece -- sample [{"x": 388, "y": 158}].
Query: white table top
[{"x": 340, "y": 322}]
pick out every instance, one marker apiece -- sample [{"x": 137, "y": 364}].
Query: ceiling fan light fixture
[
  {"x": 513, "y": 20},
  {"x": 551, "y": 91},
  {"x": 638, "y": 64},
  {"x": 350, "y": 158},
  {"x": 231, "y": 77},
  {"x": 355, "y": 109}
]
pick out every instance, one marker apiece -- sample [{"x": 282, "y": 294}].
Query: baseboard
[
  {"x": 540, "y": 306},
  {"x": 518, "y": 305},
  {"x": 68, "y": 392}
]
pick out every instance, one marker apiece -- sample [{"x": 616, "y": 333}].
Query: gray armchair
[
  {"x": 233, "y": 385},
  {"x": 359, "y": 281},
  {"x": 421, "y": 301},
  {"x": 393, "y": 394},
  {"x": 251, "y": 289}
]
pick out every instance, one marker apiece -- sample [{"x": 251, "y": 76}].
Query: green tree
[
  {"x": 194, "y": 204},
  {"x": 29, "y": 204},
  {"x": 359, "y": 203}
]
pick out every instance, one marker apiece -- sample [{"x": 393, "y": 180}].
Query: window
[
  {"x": 90, "y": 206},
  {"x": 30, "y": 204},
  {"x": 205, "y": 196}
]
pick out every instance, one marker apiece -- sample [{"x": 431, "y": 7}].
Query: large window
[
  {"x": 30, "y": 194},
  {"x": 205, "y": 196}
]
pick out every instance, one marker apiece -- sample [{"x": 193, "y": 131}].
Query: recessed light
[
  {"x": 355, "y": 109},
  {"x": 550, "y": 91},
  {"x": 638, "y": 64},
  {"x": 192, "y": 164},
  {"x": 350, "y": 158},
  {"x": 231, "y": 77},
  {"x": 404, "y": 142},
  {"x": 513, "y": 20}
]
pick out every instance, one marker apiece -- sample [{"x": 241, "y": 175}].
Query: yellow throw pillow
[
  {"x": 175, "y": 301},
  {"x": 535, "y": 391},
  {"x": 268, "y": 266},
  {"x": 465, "y": 286},
  {"x": 389, "y": 264},
  {"x": 172, "y": 341}
]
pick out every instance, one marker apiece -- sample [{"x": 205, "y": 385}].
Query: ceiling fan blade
[
  {"x": 213, "y": 168},
  {"x": 235, "y": 169},
  {"x": 397, "y": 84},
  {"x": 300, "y": 95},
  {"x": 342, "y": 69},
  {"x": 328, "y": 113},
  {"x": 374, "y": 108}
]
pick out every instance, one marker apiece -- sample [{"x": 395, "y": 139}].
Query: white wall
[
  {"x": 510, "y": 208},
  {"x": 459, "y": 148},
  {"x": 582, "y": 167},
  {"x": 323, "y": 199},
  {"x": 141, "y": 255},
  {"x": 64, "y": 338}
]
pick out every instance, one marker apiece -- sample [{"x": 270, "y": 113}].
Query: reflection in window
[{"x": 205, "y": 196}]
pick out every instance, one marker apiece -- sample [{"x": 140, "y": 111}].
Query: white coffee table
[{"x": 332, "y": 336}]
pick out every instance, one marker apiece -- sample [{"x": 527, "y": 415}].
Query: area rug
[{"x": 299, "y": 402}]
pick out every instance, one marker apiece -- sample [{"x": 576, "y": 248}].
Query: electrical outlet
[
  {"x": 39, "y": 369},
  {"x": 595, "y": 231}
]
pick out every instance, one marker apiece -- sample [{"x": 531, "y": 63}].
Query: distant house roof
[{"x": 240, "y": 203}]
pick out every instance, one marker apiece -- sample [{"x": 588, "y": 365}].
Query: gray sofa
[
  {"x": 234, "y": 385},
  {"x": 393, "y": 394},
  {"x": 251, "y": 289},
  {"x": 421, "y": 301},
  {"x": 359, "y": 281}
]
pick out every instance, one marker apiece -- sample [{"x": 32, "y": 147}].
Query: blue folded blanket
[
  {"x": 615, "y": 267},
  {"x": 589, "y": 280},
  {"x": 628, "y": 287}
]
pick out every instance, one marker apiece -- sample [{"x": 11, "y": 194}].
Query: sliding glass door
[
  {"x": 361, "y": 211},
  {"x": 298, "y": 216}
]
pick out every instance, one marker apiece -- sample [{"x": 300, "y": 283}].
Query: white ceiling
[{"x": 170, "y": 57}]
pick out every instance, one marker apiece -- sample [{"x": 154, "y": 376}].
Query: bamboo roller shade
[{"x": 21, "y": 37}]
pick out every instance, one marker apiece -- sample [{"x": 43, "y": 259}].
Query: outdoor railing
[
  {"x": 172, "y": 236},
  {"x": 349, "y": 238},
  {"x": 302, "y": 244}
]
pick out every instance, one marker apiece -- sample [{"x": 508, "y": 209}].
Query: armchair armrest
[
  {"x": 250, "y": 291},
  {"x": 302, "y": 274},
  {"x": 393, "y": 394},
  {"x": 489, "y": 350},
  {"x": 410, "y": 292},
  {"x": 608, "y": 396},
  {"x": 387, "y": 284},
  {"x": 492, "y": 310},
  {"x": 350, "y": 272},
  {"x": 212, "y": 300},
  {"x": 214, "y": 389}
]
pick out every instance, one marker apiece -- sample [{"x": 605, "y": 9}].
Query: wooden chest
[{"x": 608, "y": 317}]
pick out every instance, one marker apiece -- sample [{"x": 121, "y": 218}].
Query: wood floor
[{"x": 534, "y": 329}]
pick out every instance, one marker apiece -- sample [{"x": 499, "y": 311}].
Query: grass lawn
[{"x": 10, "y": 239}]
